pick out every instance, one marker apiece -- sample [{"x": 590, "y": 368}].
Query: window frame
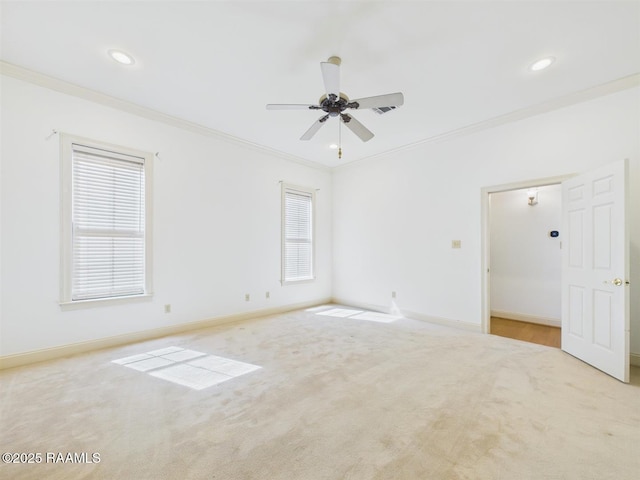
[
  {"x": 66, "y": 224},
  {"x": 286, "y": 187}
]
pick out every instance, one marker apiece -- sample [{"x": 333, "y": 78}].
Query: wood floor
[{"x": 529, "y": 332}]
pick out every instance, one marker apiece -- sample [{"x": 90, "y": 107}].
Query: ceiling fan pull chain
[{"x": 339, "y": 140}]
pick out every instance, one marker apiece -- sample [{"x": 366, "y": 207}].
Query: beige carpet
[{"x": 336, "y": 398}]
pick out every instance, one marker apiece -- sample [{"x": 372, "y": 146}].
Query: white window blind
[
  {"x": 108, "y": 224},
  {"x": 297, "y": 235}
]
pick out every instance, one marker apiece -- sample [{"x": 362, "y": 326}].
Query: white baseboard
[
  {"x": 27, "y": 358},
  {"x": 20, "y": 359},
  {"x": 522, "y": 317},
  {"x": 447, "y": 322}
]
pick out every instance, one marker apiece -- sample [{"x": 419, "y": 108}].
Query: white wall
[
  {"x": 390, "y": 220},
  {"x": 395, "y": 216},
  {"x": 216, "y": 223},
  {"x": 526, "y": 263}
]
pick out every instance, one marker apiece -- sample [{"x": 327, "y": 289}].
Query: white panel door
[{"x": 595, "y": 269}]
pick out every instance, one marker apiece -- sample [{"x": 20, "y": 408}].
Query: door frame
[{"x": 485, "y": 242}]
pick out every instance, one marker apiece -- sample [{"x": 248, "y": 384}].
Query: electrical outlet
[
  {"x": 267, "y": 295},
  {"x": 393, "y": 294},
  {"x": 456, "y": 243},
  {"x": 247, "y": 297},
  {"x": 167, "y": 308}
]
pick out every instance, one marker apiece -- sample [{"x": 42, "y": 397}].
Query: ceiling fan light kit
[{"x": 334, "y": 102}]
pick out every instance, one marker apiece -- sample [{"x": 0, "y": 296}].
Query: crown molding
[
  {"x": 68, "y": 88},
  {"x": 592, "y": 93}
]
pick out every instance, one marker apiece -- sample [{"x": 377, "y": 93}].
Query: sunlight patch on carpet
[
  {"x": 186, "y": 367},
  {"x": 319, "y": 308},
  {"x": 339, "y": 312},
  {"x": 356, "y": 314},
  {"x": 377, "y": 317}
]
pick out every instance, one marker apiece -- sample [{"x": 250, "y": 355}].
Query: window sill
[
  {"x": 297, "y": 282},
  {"x": 104, "y": 302}
]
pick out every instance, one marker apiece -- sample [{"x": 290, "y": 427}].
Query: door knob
[{"x": 616, "y": 281}]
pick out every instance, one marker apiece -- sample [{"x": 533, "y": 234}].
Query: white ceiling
[{"x": 218, "y": 63}]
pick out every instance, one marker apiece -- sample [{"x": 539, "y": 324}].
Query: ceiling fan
[{"x": 334, "y": 103}]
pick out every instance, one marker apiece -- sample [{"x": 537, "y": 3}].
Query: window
[
  {"x": 106, "y": 221},
  {"x": 297, "y": 234}
]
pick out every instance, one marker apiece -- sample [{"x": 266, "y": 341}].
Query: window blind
[
  {"x": 298, "y": 235},
  {"x": 108, "y": 224}
]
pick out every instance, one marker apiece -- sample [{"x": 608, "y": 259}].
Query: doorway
[
  {"x": 596, "y": 266},
  {"x": 522, "y": 261}
]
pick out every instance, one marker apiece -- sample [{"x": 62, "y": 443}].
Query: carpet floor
[{"x": 334, "y": 398}]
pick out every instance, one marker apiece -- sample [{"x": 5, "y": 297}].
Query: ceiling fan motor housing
[{"x": 334, "y": 105}]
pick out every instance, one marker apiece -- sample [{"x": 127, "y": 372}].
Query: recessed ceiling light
[
  {"x": 333, "y": 146},
  {"x": 121, "y": 57},
  {"x": 542, "y": 64}
]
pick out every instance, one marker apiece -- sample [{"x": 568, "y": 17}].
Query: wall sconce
[{"x": 532, "y": 194}]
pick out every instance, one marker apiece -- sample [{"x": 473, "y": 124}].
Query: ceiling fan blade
[
  {"x": 291, "y": 106},
  {"x": 356, "y": 127},
  {"x": 308, "y": 135},
  {"x": 331, "y": 78},
  {"x": 389, "y": 100}
]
